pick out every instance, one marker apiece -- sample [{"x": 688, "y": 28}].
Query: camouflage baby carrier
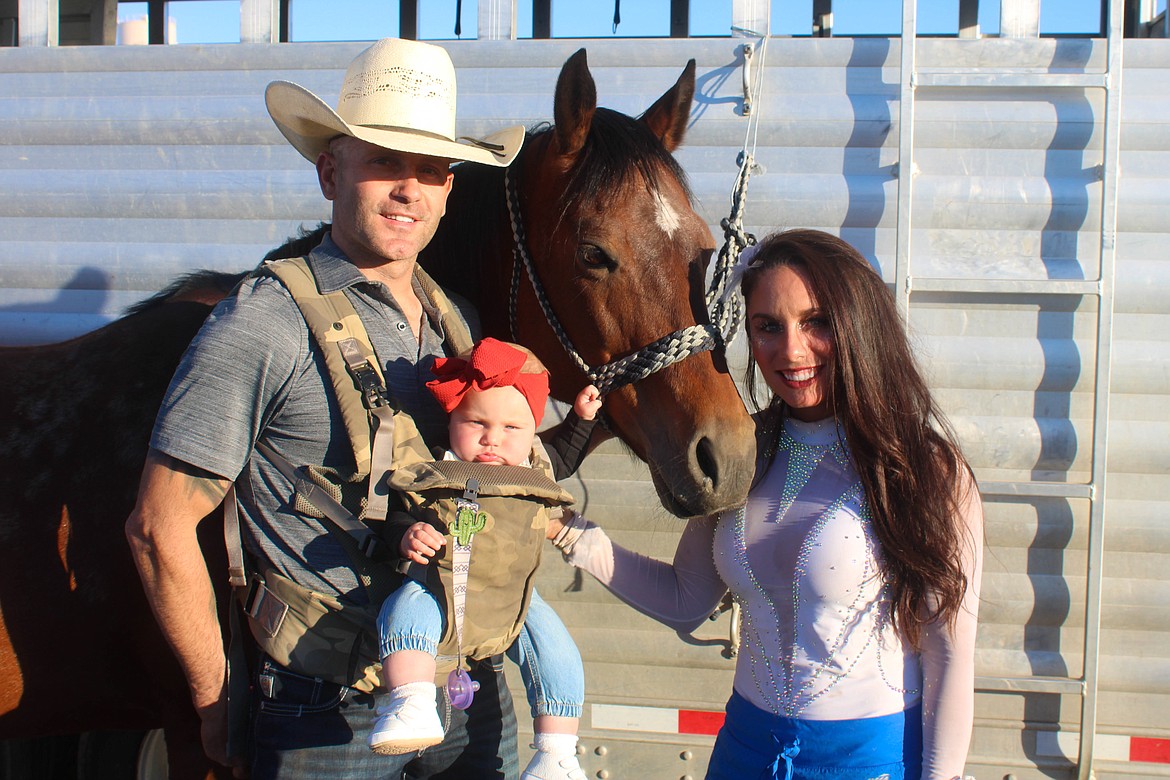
[
  {"x": 322, "y": 636},
  {"x": 495, "y": 518}
]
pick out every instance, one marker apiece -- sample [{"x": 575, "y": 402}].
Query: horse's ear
[
  {"x": 574, "y": 104},
  {"x": 667, "y": 118}
]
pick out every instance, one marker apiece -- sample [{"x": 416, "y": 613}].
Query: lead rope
[
  {"x": 730, "y": 303},
  {"x": 724, "y": 299},
  {"x": 724, "y": 303}
]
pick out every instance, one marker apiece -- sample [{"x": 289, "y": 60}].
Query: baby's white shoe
[
  {"x": 555, "y": 759},
  {"x": 408, "y": 722}
]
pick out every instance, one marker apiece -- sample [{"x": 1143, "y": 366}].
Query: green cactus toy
[{"x": 468, "y": 522}]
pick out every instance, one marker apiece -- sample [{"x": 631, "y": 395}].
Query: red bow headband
[{"x": 492, "y": 363}]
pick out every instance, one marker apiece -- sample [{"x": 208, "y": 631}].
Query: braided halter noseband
[{"x": 725, "y": 310}]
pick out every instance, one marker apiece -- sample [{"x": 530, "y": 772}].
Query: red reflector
[
  {"x": 1155, "y": 751},
  {"x": 695, "y": 722}
]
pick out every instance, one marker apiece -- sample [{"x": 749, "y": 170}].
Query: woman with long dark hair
[{"x": 856, "y": 559}]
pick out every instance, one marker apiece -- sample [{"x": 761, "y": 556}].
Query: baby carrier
[
  {"x": 484, "y": 575},
  {"x": 495, "y": 518}
]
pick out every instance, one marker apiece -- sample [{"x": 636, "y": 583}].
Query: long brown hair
[{"x": 902, "y": 447}]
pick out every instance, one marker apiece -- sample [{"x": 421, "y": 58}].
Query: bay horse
[{"x": 622, "y": 254}]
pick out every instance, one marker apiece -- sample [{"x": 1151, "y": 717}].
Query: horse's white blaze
[{"x": 667, "y": 217}]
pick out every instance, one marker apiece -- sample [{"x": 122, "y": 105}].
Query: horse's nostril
[{"x": 707, "y": 462}]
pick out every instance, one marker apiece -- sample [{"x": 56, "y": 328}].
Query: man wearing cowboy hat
[{"x": 254, "y": 376}]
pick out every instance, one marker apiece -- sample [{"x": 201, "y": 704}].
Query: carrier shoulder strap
[
  {"x": 356, "y": 377},
  {"x": 458, "y": 337}
]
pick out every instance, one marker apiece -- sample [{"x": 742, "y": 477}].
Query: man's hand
[
  {"x": 587, "y": 403},
  {"x": 420, "y": 543},
  {"x": 214, "y": 730}
]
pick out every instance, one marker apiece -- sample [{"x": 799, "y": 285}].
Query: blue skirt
[{"x": 757, "y": 745}]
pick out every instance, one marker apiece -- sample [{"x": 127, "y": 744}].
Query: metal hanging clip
[{"x": 748, "y": 51}]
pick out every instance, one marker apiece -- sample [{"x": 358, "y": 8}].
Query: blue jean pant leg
[
  {"x": 549, "y": 662},
  {"x": 410, "y": 619},
  {"x": 307, "y": 729},
  {"x": 310, "y": 729},
  {"x": 485, "y": 747}
]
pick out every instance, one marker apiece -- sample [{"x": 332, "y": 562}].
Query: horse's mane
[
  {"x": 301, "y": 244},
  {"x": 618, "y": 146},
  {"x": 204, "y": 286}
]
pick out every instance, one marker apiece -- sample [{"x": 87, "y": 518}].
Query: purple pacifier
[{"x": 461, "y": 689}]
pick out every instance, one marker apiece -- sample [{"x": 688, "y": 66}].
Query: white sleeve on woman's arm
[
  {"x": 948, "y": 662},
  {"x": 681, "y": 594}
]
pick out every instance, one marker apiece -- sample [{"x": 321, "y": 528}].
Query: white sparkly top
[{"x": 802, "y": 560}]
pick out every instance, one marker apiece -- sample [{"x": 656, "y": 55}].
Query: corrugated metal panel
[{"x": 125, "y": 167}]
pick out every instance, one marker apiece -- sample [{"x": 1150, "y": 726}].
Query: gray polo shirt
[{"x": 253, "y": 373}]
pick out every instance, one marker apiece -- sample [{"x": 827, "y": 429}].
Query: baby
[{"x": 495, "y": 397}]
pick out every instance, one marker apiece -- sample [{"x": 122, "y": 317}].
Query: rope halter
[{"x": 723, "y": 303}]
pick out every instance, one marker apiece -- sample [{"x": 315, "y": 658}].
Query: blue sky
[{"x": 217, "y": 21}]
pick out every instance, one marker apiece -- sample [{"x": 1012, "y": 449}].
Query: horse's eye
[{"x": 594, "y": 258}]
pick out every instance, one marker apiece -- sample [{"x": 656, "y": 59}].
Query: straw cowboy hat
[{"x": 397, "y": 94}]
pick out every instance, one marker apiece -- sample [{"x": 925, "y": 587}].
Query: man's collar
[
  {"x": 334, "y": 271},
  {"x": 331, "y": 268}
]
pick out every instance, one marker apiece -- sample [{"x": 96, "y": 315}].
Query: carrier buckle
[
  {"x": 371, "y": 546},
  {"x": 265, "y": 609},
  {"x": 373, "y": 394}
]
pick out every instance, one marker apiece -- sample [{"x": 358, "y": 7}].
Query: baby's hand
[
  {"x": 420, "y": 543},
  {"x": 588, "y": 403}
]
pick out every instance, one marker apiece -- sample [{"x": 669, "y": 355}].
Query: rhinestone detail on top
[{"x": 786, "y": 697}]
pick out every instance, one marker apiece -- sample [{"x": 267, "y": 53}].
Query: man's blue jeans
[{"x": 306, "y": 729}]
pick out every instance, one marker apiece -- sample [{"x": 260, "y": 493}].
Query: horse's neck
[{"x": 469, "y": 252}]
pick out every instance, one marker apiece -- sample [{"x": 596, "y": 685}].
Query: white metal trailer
[{"x": 1013, "y": 192}]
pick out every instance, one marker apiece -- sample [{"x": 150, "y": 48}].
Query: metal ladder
[{"x": 906, "y": 283}]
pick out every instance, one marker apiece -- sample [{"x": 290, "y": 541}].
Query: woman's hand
[
  {"x": 555, "y": 524},
  {"x": 420, "y": 543}
]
